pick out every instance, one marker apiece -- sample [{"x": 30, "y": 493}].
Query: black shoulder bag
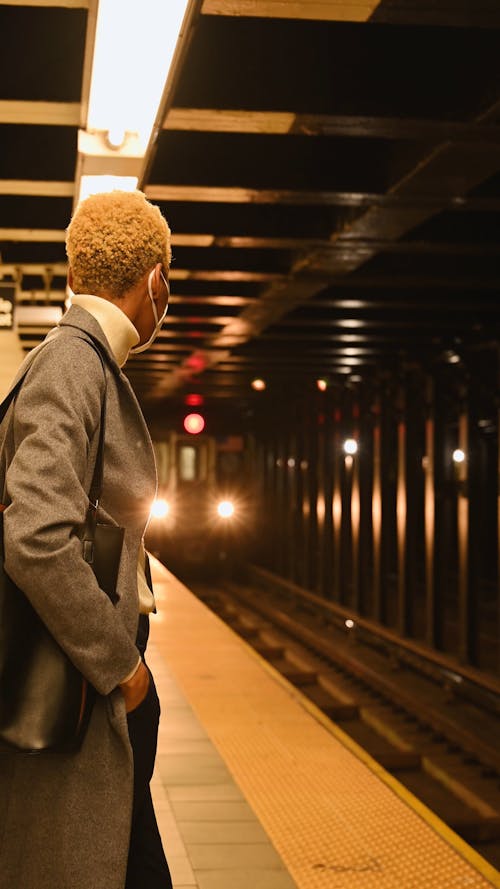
[{"x": 45, "y": 702}]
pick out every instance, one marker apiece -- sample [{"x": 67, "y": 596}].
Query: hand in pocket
[{"x": 134, "y": 690}]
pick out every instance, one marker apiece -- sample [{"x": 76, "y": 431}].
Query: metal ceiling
[{"x": 330, "y": 171}]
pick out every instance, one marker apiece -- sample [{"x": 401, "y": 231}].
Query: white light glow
[
  {"x": 225, "y": 509},
  {"x": 160, "y": 509},
  {"x": 134, "y": 47},
  {"x": 97, "y": 184},
  {"x": 258, "y": 385},
  {"x": 349, "y": 624},
  {"x": 350, "y": 446},
  {"x": 459, "y": 456}
]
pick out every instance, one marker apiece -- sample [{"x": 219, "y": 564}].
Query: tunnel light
[
  {"x": 321, "y": 385},
  {"x": 259, "y": 385},
  {"x": 350, "y": 446},
  {"x": 349, "y": 624},
  {"x": 225, "y": 509},
  {"x": 458, "y": 456},
  {"x": 160, "y": 509},
  {"x": 134, "y": 47}
]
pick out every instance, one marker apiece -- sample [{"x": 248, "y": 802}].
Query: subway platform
[{"x": 255, "y": 789}]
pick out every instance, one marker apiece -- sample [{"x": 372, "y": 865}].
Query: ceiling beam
[
  {"x": 65, "y": 4},
  {"x": 419, "y": 282},
  {"x": 57, "y": 235},
  {"x": 319, "y": 10},
  {"x": 88, "y": 61},
  {"x": 36, "y": 188},
  {"x": 235, "y": 195},
  {"x": 446, "y": 173},
  {"x": 223, "y": 120},
  {"x": 59, "y": 269},
  {"x": 356, "y": 245},
  {"x": 66, "y": 114},
  {"x": 179, "y": 274},
  {"x": 33, "y": 235},
  {"x": 400, "y": 301},
  {"x": 361, "y": 245}
]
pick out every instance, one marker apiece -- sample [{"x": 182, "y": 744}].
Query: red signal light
[
  {"x": 194, "y": 423},
  {"x": 193, "y": 400}
]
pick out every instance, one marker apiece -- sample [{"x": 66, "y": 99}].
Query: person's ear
[{"x": 157, "y": 281}]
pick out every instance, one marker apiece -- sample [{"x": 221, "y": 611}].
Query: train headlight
[
  {"x": 225, "y": 509},
  {"x": 160, "y": 509}
]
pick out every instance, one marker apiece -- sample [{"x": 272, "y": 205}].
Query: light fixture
[
  {"x": 259, "y": 385},
  {"x": 458, "y": 456},
  {"x": 193, "y": 400},
  {"x": 116, "y": 137},
  {"x": 194, "y": 424},
  {"x": 96, "y": 184},
  {"x": 321, "y": 385},
  {"x": 225, "y": 509},
  {"x": 350, "y": 446},
  {"x": 134, "y": 46},
  {"x": 133, "y": 50},
  {"x": 160, "y": 509}
]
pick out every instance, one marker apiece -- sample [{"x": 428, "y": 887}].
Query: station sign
[{"x": 7, "y": 303}]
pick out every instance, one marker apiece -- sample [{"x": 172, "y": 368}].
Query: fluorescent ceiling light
[
  {"x": 96, "y": 184},
  {"x": 134, "y": 46}
]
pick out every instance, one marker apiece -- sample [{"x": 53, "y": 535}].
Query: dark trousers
[{"x": 147, "y": 866}]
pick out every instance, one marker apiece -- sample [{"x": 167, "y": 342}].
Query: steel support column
[
  {"x": 312, "y": 484},
  {"x": 467, "y": 518},
  {"x": 377, "y": 606},
  {"x": 408, "y": 503},
  {"x": 327, "y": 535},
  {"x": 337, "y": 502},
  {"x": 355, "y": 512},
  {"x": 365, "y": 464}
]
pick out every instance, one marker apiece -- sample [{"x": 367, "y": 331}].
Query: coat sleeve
[{"x": 56, "y": 415}]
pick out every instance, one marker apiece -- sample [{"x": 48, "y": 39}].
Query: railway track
[{"x": 432, "y": 725}]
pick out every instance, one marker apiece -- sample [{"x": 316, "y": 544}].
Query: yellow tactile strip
[{"x": 335, "y": 824}]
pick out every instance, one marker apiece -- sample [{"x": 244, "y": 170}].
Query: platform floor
[{"x": 255, "y": 789}]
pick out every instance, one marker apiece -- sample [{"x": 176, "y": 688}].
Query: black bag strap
[{"x": 97, "y": 478}]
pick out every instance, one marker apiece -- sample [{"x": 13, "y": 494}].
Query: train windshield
[{"x": 188, "y": 463}]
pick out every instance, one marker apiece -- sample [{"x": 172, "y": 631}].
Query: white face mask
[{"x": 158, "y": 321}]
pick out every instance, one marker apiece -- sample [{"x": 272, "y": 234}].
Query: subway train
[{"x": 203, "y": 520}]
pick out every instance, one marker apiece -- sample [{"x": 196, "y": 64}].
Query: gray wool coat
[{"x": 65, "y": 818}]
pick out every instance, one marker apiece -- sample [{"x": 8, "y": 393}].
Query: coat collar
[{"x": 80, "y": 319}]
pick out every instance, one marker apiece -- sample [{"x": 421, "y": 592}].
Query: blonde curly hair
[{"x": 113, "y": 239}]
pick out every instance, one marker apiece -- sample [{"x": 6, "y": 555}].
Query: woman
[{"x": 85, "y": 820}]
